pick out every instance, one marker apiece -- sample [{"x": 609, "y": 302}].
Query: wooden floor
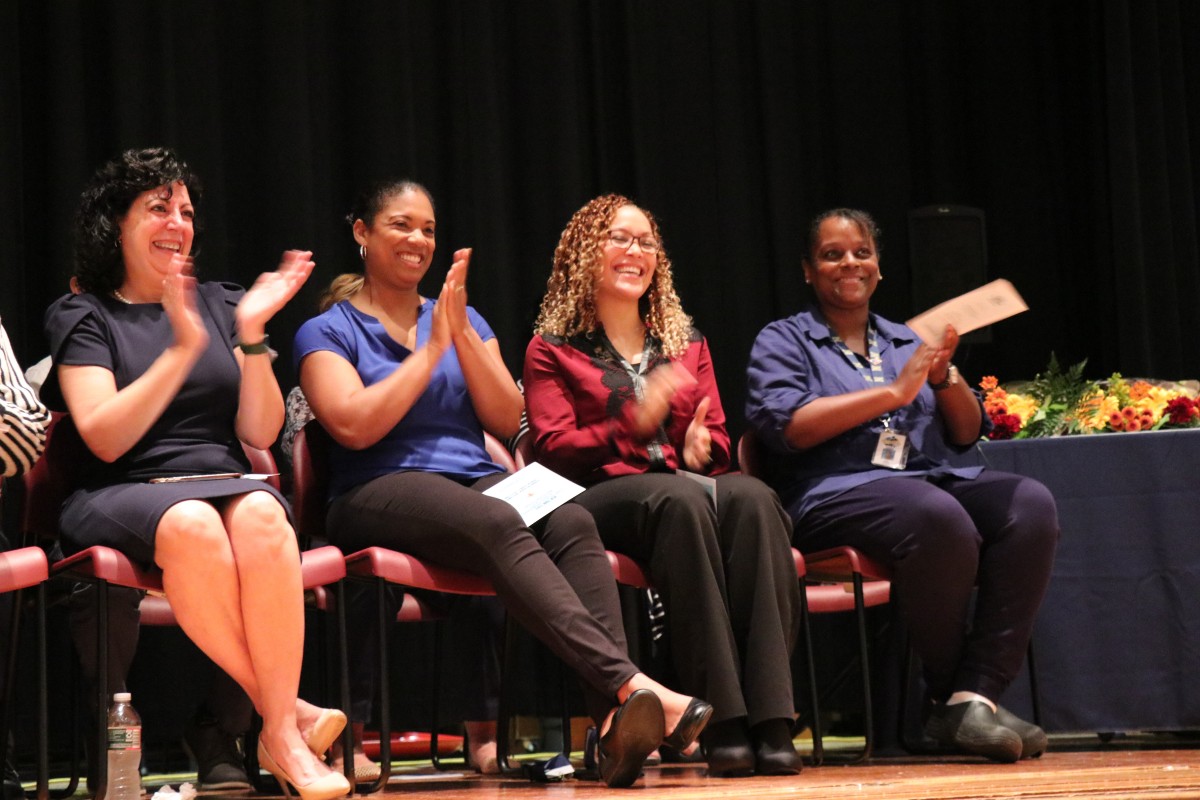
[{"x": 1145, "y": 773}]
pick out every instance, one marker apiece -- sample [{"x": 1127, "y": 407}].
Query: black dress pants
[
  {"x": 727, "y": 580},
  {"x": 942, "y": 537},
  {"x": 556, "y": 581}
]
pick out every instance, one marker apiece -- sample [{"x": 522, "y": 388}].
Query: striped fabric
[{"x": 23, "y": 418}]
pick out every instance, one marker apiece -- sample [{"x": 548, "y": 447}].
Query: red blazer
[{"x": 580, "y": 401}]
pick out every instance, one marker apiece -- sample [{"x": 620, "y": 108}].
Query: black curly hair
[{"x": 99, "y": 267}]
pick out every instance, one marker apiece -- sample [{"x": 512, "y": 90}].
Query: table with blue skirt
[{"x": 1117, "y": 641}]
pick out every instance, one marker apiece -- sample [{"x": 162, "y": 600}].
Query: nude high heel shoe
[
  {"x": 326, "y": 787},
  {"x": 325, "y": 731}
]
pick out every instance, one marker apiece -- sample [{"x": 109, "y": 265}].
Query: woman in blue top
[
  {"x": 860, "y": 419},
  {"x": 406, "y": 387}
]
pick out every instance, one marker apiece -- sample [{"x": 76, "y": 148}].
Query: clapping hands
[
  {"x": 179, "y": 303},
  {"x": 697, "y": 442},
  {"x": 271, "y": 292}
]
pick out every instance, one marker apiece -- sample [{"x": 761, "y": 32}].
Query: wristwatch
[{"x": 951, "y": 379}]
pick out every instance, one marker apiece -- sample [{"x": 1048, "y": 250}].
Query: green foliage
[{"x": 1058, "y": 393}]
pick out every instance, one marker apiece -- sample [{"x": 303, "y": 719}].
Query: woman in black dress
[{"x": 164, "y": 378}]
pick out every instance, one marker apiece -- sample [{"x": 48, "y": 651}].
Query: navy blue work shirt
[{"x": 796, "y": 360}]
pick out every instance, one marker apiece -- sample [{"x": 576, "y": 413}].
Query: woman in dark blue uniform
[{"x": 164, "y": 378}]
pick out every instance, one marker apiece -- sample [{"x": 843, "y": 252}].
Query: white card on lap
[{"x": 534, "y": 491}]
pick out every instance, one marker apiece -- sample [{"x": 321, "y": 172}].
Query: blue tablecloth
[{"x": 1118, "y": 638}]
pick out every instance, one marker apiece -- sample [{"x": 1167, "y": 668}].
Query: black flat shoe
[
  {"x": 1033, "y": 738},
  {"x": 972, "y": 728},
  {"x": 727, "y": 749},
  {"x": 691, "y": 722},
  {"x": 636, "y": 731}
]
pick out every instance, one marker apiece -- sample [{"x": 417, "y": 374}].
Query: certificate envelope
[
  {"x": 534, "y": 491},
  {"x": 979, "y": 307}
]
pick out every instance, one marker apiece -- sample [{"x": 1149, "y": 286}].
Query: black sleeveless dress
[{"x": 115, "y": 505}]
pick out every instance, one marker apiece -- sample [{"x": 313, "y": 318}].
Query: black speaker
[{"x": 947, "y": 248}]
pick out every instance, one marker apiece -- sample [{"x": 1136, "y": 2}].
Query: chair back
[
  {"x": 262, "y": 461},
  {"x": 51, "y": 480},
  {"x": 524, "y": 451},
  {"x": 310, "y": 480},
  {"x": 499, "y": 453},
  {"x": 749, "y": 454}
]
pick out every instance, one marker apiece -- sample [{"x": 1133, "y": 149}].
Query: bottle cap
[{"x": 122, "y": 697}]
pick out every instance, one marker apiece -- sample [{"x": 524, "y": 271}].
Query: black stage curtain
[{"x": 1075, "y": 126}]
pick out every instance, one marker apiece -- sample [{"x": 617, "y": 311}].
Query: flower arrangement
[{"x": 1059, "y": 402}]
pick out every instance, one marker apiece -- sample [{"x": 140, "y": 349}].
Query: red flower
[
  {"x": 1181, "y": 411},
  {"x": 1005, "y": 426}
]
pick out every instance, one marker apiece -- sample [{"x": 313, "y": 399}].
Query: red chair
[
  {"x": 839, "y": 566},
  {"x": 20, "y": 569},
  {"x": 47, "y": 485},
  {"x": 626, "y": 571},
  {"x": 382, "y": 566}
]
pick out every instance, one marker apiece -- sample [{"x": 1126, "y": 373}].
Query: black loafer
[
  {"x": 726, "y": 748},
  {"x": 1033, "y": 738},
  {"x": 636, "y": 731},
  {"x": 972, "y": 728},
  {"x": 774, "y": 752},
  {"x": 691, "y": 722}
]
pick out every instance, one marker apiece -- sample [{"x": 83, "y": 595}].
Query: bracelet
[{"x": 258, "y": 348}]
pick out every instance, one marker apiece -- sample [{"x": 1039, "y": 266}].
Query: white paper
[
  {"x": 534, "y": 491},
  {"x": 979, "y": 307},
  {"x": 709, "y": 484}
]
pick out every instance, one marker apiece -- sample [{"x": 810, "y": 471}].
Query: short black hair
[
  {"x": 865, "y": 222},
  {"x": 371, "y": 200}
]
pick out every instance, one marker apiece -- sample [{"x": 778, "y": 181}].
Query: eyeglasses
[{"x": 625, "y": 240}]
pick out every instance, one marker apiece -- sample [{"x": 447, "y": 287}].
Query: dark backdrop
[{"x": 1075, "y": 126}]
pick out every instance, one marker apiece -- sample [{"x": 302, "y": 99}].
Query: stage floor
[{"x": 1074, "y": 768}]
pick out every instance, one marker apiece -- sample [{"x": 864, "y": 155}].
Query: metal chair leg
[
  {"x": 860, "y": 612},
  {"x": 385, "y": 700},
  {"x": 818, "y": 754},
  {"x": 101, "y": 730},
  {"x": 504, "y": 712}
]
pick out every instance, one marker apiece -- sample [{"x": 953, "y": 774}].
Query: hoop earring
[{"x": 362, "y": 252}]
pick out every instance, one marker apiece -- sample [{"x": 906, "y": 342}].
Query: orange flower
[
  {"x": 1139, "y": 389},
  {"x": 989, "y": 382}
]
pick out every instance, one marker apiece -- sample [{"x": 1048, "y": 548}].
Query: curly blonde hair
[{"x": 569, "y": 307}]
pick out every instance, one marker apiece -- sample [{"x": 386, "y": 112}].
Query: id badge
[{"x": 891, "y": 451}]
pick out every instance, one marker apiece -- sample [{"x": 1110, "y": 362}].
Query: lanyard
[{"x": 872, "y": 371}]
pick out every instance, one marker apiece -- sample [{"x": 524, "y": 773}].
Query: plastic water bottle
[{"x": 124, "y": 750}]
